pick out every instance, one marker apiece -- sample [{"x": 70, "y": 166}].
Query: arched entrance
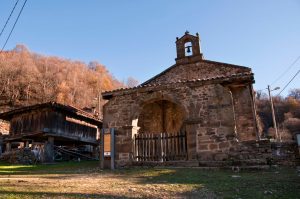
[
  {"x": 161, "y": 116},
  {"x": 161, "y": 136}
]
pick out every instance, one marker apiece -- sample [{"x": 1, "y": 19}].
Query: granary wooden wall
[{"x": 50, "y": 122}]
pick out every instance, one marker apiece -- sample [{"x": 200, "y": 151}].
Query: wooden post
[
  {"x": 102, "y": 149},
  {"x": 273, "y": 115},
  {"x": 112, "y": 148}
]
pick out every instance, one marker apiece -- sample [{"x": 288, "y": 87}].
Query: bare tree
[
  {"x": 131, "y": 82},
  {"x": 295, "y": 93}
]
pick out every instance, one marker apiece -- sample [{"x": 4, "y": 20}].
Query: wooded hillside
[
  {"x": 27, "y": 78},
  {"x": 287, "y": 113}
]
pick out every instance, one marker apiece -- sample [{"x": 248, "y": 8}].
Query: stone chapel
[{"x": 211, "y": 102}]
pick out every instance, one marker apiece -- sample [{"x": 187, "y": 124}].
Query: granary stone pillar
[
  {"x": 26, "y": 143},
  {"x": 8, "y": 146},
  {"x": 49, "y": 150}
]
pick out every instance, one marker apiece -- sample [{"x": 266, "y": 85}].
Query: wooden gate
[{"x": 160, "y": 147}]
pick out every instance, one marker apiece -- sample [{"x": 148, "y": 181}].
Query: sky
[{"x": 136, "y": 38}]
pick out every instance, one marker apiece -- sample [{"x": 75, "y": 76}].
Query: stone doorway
[{"x": 160, "y": 136}]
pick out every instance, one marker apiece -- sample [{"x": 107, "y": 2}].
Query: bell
[{"x": 188, "y": 49}]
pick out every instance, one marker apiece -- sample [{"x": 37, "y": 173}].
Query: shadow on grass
[
  {"x": 22, "y": 194},
  {"x": 282, "y": 183},
  {"x": 57, "y": 168}
]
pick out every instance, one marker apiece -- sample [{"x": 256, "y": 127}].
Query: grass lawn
[{"x": 86, "y": 180}]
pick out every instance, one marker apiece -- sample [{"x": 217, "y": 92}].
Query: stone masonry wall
[{"x": 209, "y": 118}]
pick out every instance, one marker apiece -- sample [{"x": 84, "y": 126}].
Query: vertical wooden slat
[
  {"x": 172, "y": 146},
  {"x": 185, "y": 146},
  {"x": 156, "y": 147},
  {"x": 139, "y": 146},
  {"x": 146, "y": 146},
  {"x": 142, "y": 147},
  {"x": 135, "y": 148},
  {"x": 153, "y": 146},
  {"x": 149, "y": 147},
  {"x": 163, "y": 145},
  {"x": 177, "y": 145},
  {"x": 159, "y": 149},
  {"x": 182, "y": 144},
  {"x": 167, "y": 146}
]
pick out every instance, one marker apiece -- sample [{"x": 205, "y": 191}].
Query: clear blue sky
[{"x": 137, "y": 37}]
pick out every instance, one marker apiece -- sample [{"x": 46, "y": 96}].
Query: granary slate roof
[
  {"x": 248, "y": 75},
  {"x": 68, "y": 109}
]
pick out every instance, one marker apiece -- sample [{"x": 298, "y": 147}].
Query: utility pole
[{"x": 273, "y": 114}]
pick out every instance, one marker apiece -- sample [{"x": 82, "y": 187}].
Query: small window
[{"x": 188, "y": 49}]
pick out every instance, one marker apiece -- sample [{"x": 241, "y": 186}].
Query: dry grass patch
[{"x": 86, "y": 180}]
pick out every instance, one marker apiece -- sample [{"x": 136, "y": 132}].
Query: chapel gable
[{"x": 191, "y": 65}]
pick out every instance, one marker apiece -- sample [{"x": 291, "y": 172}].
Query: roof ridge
[
  {"x": 65, "y": 107},
  {"x": 182, "y": 81}
]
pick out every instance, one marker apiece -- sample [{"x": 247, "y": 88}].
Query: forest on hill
[{"x": 28, "y": 78}]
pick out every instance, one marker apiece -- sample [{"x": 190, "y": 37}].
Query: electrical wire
[
  {"x": 288, "y": 82},
  {"x": 13, "y": 26},
  {"x": 9, "y": 17},
  {"x": 294, "y": 62}
]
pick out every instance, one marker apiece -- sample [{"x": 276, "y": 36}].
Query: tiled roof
[
  {"x": 205, "y": 61},
  {"x": 220, "y": 77}
]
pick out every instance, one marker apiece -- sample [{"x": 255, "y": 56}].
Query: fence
[{"x": 160, "y": 147}]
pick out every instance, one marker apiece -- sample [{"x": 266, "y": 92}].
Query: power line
[
  {"x": 14, "y": 26},
  {"x": 294, "y": 62},
  {"x": 9, "y": 17},
  {"x": 289, "y": 82}
]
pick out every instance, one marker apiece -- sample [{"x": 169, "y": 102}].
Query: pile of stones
[{"x": 19, "y": 156}]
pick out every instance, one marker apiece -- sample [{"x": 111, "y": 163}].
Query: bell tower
[{"x": 188, "y": 48}]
